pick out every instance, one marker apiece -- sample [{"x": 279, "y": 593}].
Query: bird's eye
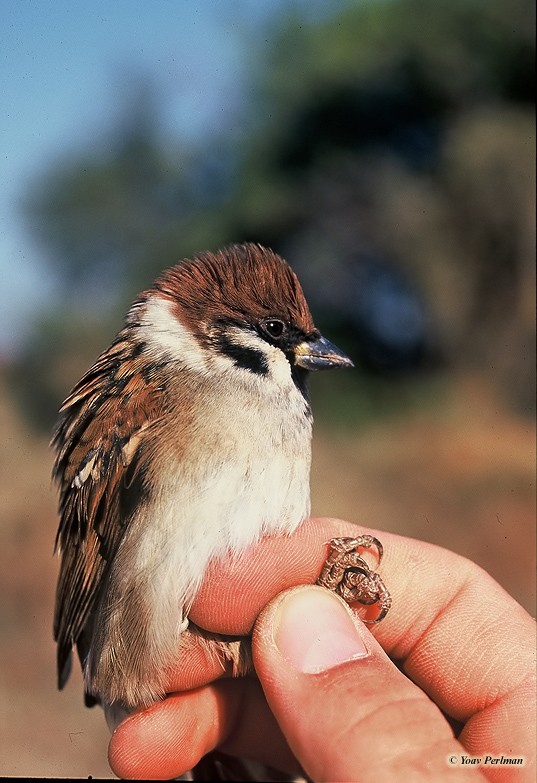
[{"x": 274, "y": 327}]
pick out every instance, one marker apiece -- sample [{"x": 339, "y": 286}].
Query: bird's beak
[{"x": 320, "y": 354}]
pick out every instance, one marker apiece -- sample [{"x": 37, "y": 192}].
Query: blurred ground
[{"x": 462, "y": 477}]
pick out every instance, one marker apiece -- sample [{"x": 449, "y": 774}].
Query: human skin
[{"x": 447, "y": 676}]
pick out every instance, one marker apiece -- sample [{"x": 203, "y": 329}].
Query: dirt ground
[{"x": 464, "y": 479}]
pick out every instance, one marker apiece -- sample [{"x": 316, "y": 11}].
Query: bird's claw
[{"x": 346, "y": 573}]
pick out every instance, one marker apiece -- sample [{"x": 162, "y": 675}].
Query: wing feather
[{"x": 99, "y": 453}]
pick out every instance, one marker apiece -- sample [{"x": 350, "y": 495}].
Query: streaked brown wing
[{"x": 99, "y": 467}]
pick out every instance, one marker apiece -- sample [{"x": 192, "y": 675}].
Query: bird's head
[{"x": 240, "y": 310}]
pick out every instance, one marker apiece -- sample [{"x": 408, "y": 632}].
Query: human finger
[
  {"x": 346, "y": 710},
  {"x": 452, "y": 629},
  {"x": 168, "y": 739}
]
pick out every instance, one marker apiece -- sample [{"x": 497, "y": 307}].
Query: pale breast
[{"x": 239, "y": 472}]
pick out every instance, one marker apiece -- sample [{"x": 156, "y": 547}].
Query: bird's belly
[
  {"x": 163, "y": 557},
  {"x": 223, "y": 507},
  {"x": 223, "y": 495}
]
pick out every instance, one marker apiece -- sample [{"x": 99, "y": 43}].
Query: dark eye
[{"x": 274, "y": 327}]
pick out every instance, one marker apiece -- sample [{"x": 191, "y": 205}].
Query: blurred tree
[
  {"x": 387, "y": 153},
  {"x": 107, "y": 220},
  {"x": 404, "y": 132}
]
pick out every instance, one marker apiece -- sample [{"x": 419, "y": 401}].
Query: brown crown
[{"x": 241, "y": 283}]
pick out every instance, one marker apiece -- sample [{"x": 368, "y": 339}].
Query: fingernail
[{"x": 315, "y": 631}]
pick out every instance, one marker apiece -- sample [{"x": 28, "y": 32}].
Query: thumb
[{"x": 345, "y": 709}]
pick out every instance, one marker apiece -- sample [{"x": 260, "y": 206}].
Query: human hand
[{"x": 328, "y": 699}]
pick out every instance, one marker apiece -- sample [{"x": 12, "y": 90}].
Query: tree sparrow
[{"x": 189, "y": 437}]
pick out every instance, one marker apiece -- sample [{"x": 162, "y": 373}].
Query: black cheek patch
[{"x": 248, "y": 358}]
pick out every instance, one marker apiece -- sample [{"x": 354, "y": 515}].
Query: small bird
[{"x": 188, "y": 438}]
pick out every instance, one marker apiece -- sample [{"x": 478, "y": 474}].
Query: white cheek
[
  {"x": 278, "y": 365},
  {"x": 168, "y": 338}
]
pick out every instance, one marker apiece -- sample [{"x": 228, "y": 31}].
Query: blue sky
[{"x": 63, "y": 67}]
